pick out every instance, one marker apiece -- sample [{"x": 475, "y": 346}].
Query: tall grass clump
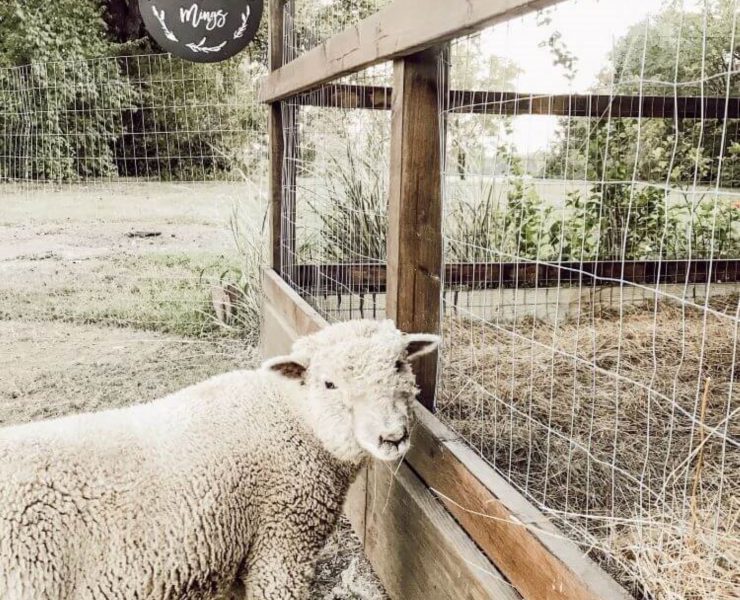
[
  {"x": 354, "y": 214},
  {"x": 236, "y": 291},
  {"x": 485, "y": 225}
]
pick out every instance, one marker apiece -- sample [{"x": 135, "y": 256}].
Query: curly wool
[
  {"x": 228, "y": 487},
  {"x": 141, "y": 503}
]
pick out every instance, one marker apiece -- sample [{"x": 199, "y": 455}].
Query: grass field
[{"x": 94, "y": 316}]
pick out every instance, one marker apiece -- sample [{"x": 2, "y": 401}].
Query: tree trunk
[{"x": 124, "y": 20}]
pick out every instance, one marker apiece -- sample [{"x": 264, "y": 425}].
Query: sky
[{"x": 590, "y": 29}]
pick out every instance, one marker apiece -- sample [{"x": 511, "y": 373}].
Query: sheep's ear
[
  {"x": 419, "y": 344},
  {"x": 287, "y": 366}
]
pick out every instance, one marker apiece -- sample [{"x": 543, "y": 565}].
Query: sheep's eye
[
  {"x": 399, "y": 365},
  {"x": 329, "y": 385}
]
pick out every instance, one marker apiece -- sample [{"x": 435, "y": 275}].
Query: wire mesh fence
[
  {"x": 591, "y": 298},
  {"x": 149, "y": 117},
  {"x": 336, "y": 194},
  {"x": 133, "y": 195}
]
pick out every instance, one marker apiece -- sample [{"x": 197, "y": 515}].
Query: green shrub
[
  {"x": 191, "y": 121},
  {"x": 58, "y": 109}
]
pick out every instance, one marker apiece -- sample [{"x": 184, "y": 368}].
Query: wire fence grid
[
  {"x": 335, "y": 199},
  {"x": 132, "y": 191},
  {"x": 591, "y": 291}
]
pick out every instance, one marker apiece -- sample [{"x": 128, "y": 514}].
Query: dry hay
[{"x": 656, "y": 503}]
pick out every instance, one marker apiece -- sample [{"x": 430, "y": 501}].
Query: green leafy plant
[
  {"x": 707, "y": 228},
  {"x": 478, "y": 229},
  {"x": 58, "y": 107}
]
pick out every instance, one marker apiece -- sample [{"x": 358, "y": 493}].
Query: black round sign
[{"x": 202, "y": 30}]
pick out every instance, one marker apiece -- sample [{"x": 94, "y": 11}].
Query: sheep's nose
[{"x": 395, "y": 437}]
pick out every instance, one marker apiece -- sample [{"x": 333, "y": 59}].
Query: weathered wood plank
[
  {"x": 275, "y": 132},
  {"x": 277, "y": 155},
  {"x": 528, "y": 550},
  {"x": 370, "y": 278},
  {"x": 290, "y": 182},
  {"x": 417, "y": 549},
  {"x": 348, "y": 96},
  {"x": 283, "y": 141},
  {"x": 400, "y": 29},
  {"x": 355, "y": 504},
  {"x": 276, "y": 33},
  {"x": 415, "y": 207},
  {"x": 299, "y": 316},
  {"x": 593, "y": 105}
]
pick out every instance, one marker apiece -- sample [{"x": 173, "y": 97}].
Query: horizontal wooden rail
[
  {"x": 530, "y": 552},
  {"x": 371, "y": 278},
  {"x": 348, "y": 96},
  {"x": 417, "y": 549},
  {"x": 402, "y": 28}
]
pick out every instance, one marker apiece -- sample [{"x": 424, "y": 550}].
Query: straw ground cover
[{"x": 624, "y": 430}]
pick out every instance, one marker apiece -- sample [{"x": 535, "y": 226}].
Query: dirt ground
[{"x": 93, "y": 318}]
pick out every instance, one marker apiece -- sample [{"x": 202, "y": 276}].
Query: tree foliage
[
  {"x": 85, "y": 93},
  {"x": 641, "y": 165},
  {"x": 50, "y": 92},
  {"x": 675, "y": 53}
]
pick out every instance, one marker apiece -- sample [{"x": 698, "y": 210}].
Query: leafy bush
[
  {"x": 619, "y": 221},
  {"x": 688, "y": 47},
  {"x": 616, "y": 221},
  {"x": 79, "y": 101},
  {"x": 191, "y": 121},
  {"x": 478, "y": 229},
  {"x": 57, "y": 109}
]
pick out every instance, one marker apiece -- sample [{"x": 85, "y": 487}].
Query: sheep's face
[{"x": 357, "y": 386}]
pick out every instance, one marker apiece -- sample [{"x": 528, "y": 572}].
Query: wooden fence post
[
  {"x": 415, "y": 205},
  {"x": 283, "y": 152},
  {"x": 277, "y": 144}
]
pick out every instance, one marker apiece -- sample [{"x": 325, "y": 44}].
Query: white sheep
[{"x": 230, "y": 486}]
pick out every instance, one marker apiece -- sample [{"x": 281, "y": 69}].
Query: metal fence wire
[
  {"x": 591, "y": 303},
  {"x": 590, "y": 286}
]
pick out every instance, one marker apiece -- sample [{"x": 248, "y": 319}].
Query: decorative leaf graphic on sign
[
  {"x": 199, "y": 47},
  {"x": 245, "y": 17},
  {"x": 160, "y": 17}
]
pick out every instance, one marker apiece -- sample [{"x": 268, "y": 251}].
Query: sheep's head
[{"x": 357, "y": 386}]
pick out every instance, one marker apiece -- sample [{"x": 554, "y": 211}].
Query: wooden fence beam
[
  {"x": 275, "y": 132},
  {"x": 530, "y": 552},
  {"x": 349, "y": 96},
  {"x": 282, "y": 128},
  {"x": 415, "y": 206},
  {"x": 402, "y": 28},
  {"x": 372, "y": 279},
  {"x": 417, "y": 549}
]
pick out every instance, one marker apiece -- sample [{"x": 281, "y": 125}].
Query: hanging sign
[{"x": 202, "y": 30}]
